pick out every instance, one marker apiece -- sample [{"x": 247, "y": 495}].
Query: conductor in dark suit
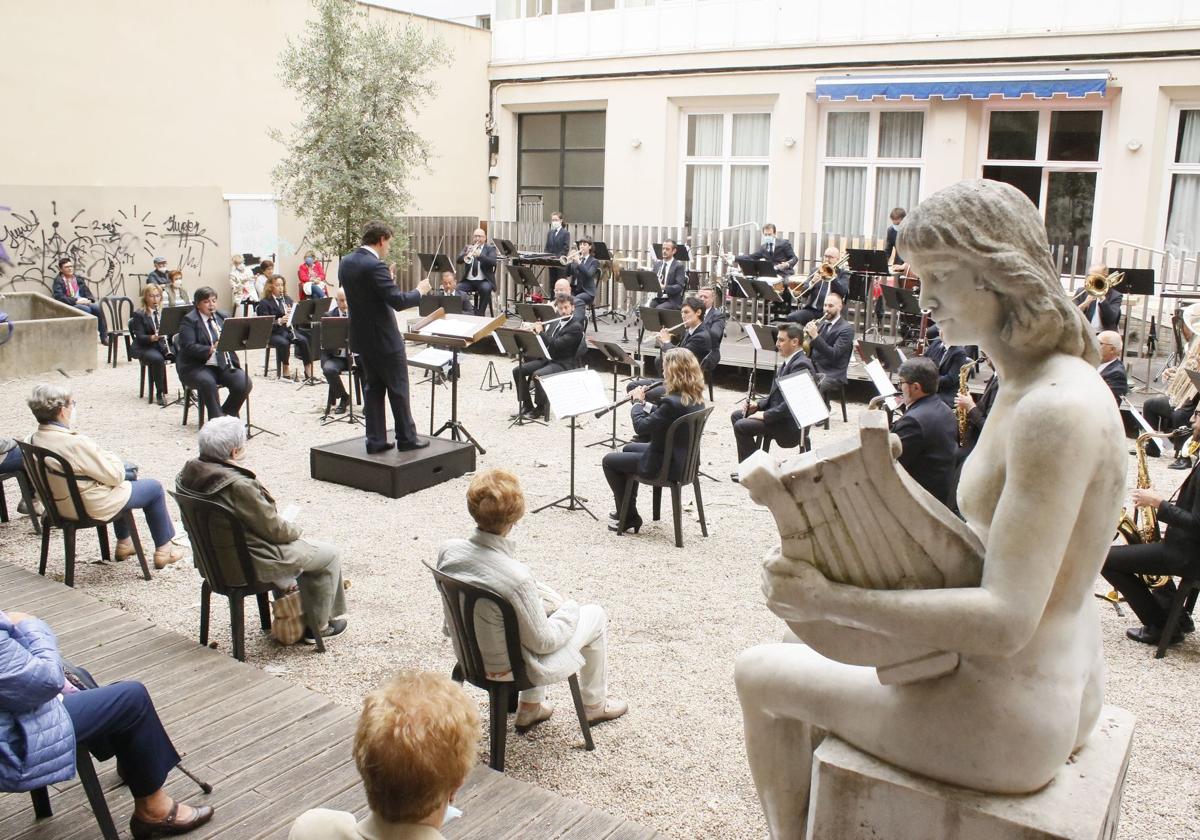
[
  {"x": 562, "y": 340},
  {"x": 1102, "y": 313},
  {"x": 949, "y": 359},
  {"x": 201, "y": 365},
  {"x": 778, "y": 252},
  {"x": 72, "y": 289},
  {"x": 672, "y": 278},
  {"x": 583, "y": 274},
  {"x": 479, "y": 276},
  {"x": 770, "y": 418},
  {"x": 1111, "y": 367},
  {"x": 372, "y": 295},
  {"x": 558, "y": 243},
  {"x": 928, "y": 430},
  {"x": 1175, "y": 554},
  {"x": 831, "y": 343}
]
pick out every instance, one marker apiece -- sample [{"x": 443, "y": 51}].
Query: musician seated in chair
[
  {"x": 562, "y": 340},
  {"x": 201, "y": 366},
  {"x": 672, "y": 277},
  {"x": 778, "y": 252},
  {"x": 1111, "y": 367},
  {"x": 557, "y": 635},
  {"x": 583, "y": 272},
  {"x": 690, "y": 335},
  {"x": 336, "y": 362},
  {"x": 949, "y": 359},
  {"x": 1173, "y": 410},
  {"x": 769, "y": 418},
  {"x": 831, "y": 344},
  {"x": 684, "y": 393},
  {"x": 480, "y": 275},
  {"x": 1177, "y": 553},
  {"x": 149, "y": 344},
  {"x": 1103, "y": 313},
  {"x": 928, "y": 430},
  {"x": 448, "y": 287},
  {"x": 824, "y": 280},
  {"x": 276, "y": 304}
]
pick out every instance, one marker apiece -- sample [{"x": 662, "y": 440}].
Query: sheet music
[
  {"x": 900, "y": 353},
  {"x": 879, "y": 378},
  {"x": 1137, "y": 415},
  {"x": 753, "y": 336},
  {"x": 448, "y": 327},
  {"x": 499, "y": 343},
  {"x": 291, "y": 314},
  {"x": 433, "y": 357},
  {"x": 542, "y": 345},
  {"x": 803, "y": 399},
  {"x": 575, "y": 392}
]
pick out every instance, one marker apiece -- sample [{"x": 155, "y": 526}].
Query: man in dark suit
[
  {"x": 715, "y": 318},
  {"x": 832, "y": 342},
  {"x": 1111, "y": 367},
  {"x": 949, "y": 359},
  {"x": 1175, "y": 554},
  {"x": 690, "y": 335},
  {"x": 583, "y": 274},
  {"x": 778, "y": 252},
  {"x": 372, "y": 295},
  {"x": 928, "y": 430},
  {"x": 1103, "y": 313},
  {"x": 558, "y": 243},
  {"x": 201, "y": 365},
  {"x": 769, "y": 417},
  {"x": 826, "y": 279},
  {"x": 448, "y": 287},
  {"x": 72, "y": 289},
  {"x": 562, "y": 340},
  {"x": 335, "y": 362},
  {"x": 480, "y": 274},
  {"x": 672, "y": 276}
]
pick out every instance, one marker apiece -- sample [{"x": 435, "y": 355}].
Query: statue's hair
[{"x": 997, "y": 225}]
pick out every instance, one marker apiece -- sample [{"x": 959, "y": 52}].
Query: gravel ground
[{"x": 677, "y": 617}]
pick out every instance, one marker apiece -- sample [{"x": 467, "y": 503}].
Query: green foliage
[{"x": 359, "y": 83}]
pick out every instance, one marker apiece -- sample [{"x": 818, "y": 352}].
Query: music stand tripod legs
[
  {"x": 251, "y": 429},
  {"x": 457, "y": 430},
  {"x": 612, "y": 441},
  {"x": 570, "y": 501}
]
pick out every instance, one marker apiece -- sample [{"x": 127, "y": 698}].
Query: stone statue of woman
[{"x": 1042, "y": 491}]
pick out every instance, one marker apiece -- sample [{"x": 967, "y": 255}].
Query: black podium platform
[{"x": 391, "y": 473}]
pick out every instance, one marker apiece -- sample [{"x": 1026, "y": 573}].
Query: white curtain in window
[
  {"x": 1189, "y": 138},
  {"x": 747, "y": 194},
  {"x": 704, "y": 189},
  {"x": 705, "y": 135},
  {"x": 846, "y": 134},
  {"x": 894, "y": 187},
  {"x": 900, "y": 134},
  {"x": 845, "y": 197},
  {"x": 1183, "y": 219},
  {"x": 751, "y": 135}
]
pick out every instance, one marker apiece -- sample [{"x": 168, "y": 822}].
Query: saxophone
[
  {"x": 1140, "y": 526},
  {"x": 961, "y": 413}
]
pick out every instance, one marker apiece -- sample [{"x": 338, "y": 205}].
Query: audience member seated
[
  {"x": 241, "y": 282},
  {"x": 774, "y": 421},
  {"x": 43, "y": 716},
  {"x": 107, "y": 485},
  {"x": 928, "y": 430},
  {"x": 1175, "y": 554},
  {"x": 159, "y": 276},
  {"x": 72, "y": 289},
  {"x": 149, "y": 344},
  {"x": 832, "y": 342},
  {"x": 201, "y": 366},
  {"x": 562, "y": 340},
  {"x": 556, "y": 635},
  {"x": 11, "y": 462},
  {"x": 683, "y": 393},
  {"x": 311, "y": 568},
  {"x": 1111, "y": 367},
  {"x": 417, "y": 739},
  {"x": 276, "y": 304},
  {"x": 312, "y": 278},
  {"x": 174, "y": 293},
  {"x": 335, "y": 362}
]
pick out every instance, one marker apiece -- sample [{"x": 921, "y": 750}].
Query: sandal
[{"x": 528, "y": 720}]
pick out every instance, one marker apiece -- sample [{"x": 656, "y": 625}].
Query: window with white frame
[
  {"x": 1053, "y": 156},
  {"x": 871, "y": 163},
  {"x": 1183, "y": 205},
  {"x": 726, "y": 164}
]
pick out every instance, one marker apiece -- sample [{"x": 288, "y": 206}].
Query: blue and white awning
[{"x": 1074, "y": 84}]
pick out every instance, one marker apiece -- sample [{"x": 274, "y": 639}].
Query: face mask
[
  {"x": 309, "y": 261},
  {"x": 768, "y": 240},
  {"x": 556, "y": 225}
]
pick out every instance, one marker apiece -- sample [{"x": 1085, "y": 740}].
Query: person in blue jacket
[{"x": 43, "y": 716}]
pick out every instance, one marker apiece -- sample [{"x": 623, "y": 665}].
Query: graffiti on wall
[{"x": 109, "y": 249}]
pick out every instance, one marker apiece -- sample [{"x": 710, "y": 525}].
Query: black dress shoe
[
  {"x": 634, "y": 525},
  {"x": 1150, "y": 635},
  {"x": 735, "y": 478},
  {"x": 410, "y": 446},
  {"x": 341, "y": 407},
  {"x": 1180, "y": 463},
  {"x": 335, "y": 627},
  {"x": 374, "y": 450},
  {"x": 614, "y": 516}
]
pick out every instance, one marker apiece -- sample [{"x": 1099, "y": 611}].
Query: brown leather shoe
[
  {"x": 145, "y": 829},
  {"x": 164, "y": 558}
]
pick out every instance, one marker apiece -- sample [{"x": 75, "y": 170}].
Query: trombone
[{"x": 1098, "y": 286}]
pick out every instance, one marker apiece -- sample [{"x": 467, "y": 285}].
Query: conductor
[{"x": 372, "y": 294}]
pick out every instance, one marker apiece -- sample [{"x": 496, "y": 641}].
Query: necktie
[{"x": 662, "y": 274}]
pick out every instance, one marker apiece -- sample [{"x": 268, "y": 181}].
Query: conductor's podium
[{"x": 391, "y": 473}]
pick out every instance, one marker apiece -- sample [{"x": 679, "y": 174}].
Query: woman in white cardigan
[{"x": 557, "y": 636}]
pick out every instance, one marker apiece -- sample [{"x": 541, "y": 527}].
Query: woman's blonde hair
[
  {"x": 495, "y": 500},
  {"x": 146, "y": 290},
  {"x": 996, "y": 224},
  {"x": 417, "y": 740},
  {"x": 682, "y": 376}
]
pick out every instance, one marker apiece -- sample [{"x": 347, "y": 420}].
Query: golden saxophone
[{"x": 960, "y": 411}]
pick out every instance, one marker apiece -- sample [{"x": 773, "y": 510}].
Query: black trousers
[
  {"x": 827, "y": 387},
  {"x": 749, "y": 432},
  {"x": 1163, "y": 418},
  {"x": 120, "y": 720},
  {"x": 333, "y": 368},
  {"x": 484, "y": 288},
  {"x": 283, "y": 348},
  {"x": 156, "y": 365},
  {"x": 534, "y": 398},
  {"x": 208, "y": 379},
  {"x": 620, "y": 469},
  {"x": 386, "y": 376},
  {"x": 1126, "y": 562}
]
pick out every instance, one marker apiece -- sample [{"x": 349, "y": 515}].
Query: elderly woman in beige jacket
[
  {"x": 276, "y": 550},
  {"x": 557, "y": 636},
  {"x": 106, "y": 485}
]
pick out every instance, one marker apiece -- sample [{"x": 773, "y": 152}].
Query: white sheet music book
[
  {"x": 433, "y": 357},
  {"x": 575, "y": 392},
  {"x": 499, "y": 344},
  {"x": 803, "y": 399},
  {"x": 450, "y": 327},
  {"x": 1137, "y": 415},
  {"x": 542, "y": 344},
  {"x": 879, "y": 378}
]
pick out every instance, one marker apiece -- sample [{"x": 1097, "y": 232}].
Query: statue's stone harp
[{"x": 851, "y": 511}]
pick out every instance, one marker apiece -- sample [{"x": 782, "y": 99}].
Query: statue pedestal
[{"x": 858, "y": 797}]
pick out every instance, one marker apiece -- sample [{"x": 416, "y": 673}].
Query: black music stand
[
  {"x": 306, "y": 316},
  {"x": 506, "y": 248},
  {"x": 888, "y": 355},
  {"x": 604, "y": 257},
  {"x": 452, "y": 304},
  {"x": 1138, "y": 281},
  {"x": 530, "y": 312},
  {"x": 867, "y": 261},
  {"x": 246, "y": 334},
  {"x": 525, "y": 346},
  {"x": 168, "y": 327},
  {"x": 906, "y": 305},
  {"x": 765, "y": 335},
  {"x": 865, "y": 265},
  {"x": 615, "y": 354},
  {"x": 638, "y": 282},
  {"x": 652, "y": 320},
  {"x": 491, "y": 376},
  {"x": 753, "y": 271},
  {"x": 526, "y": 279},
  {"x": 435, "y": 262},
  {"x": 681, "y": 252},
  {"x": 335, "y": 336}
]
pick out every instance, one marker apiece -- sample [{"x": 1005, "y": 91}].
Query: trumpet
[
  {"x": 571, "y": 257},
  {"x": 1098, "y": 286},
  {"x": 471, "y": 252}
]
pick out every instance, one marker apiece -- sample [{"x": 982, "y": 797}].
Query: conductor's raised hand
[
  {"x": 424, "y": 286},
  {"x": 795, "y": 591}
]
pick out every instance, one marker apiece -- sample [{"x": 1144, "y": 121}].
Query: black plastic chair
[
  {"x": 1184, "y": 599},
  {"x": 689, "y": 424},
  {"x": 118, "y": 310},
  {"x": 39, "y": 464},
  {"x": 26, "y": 497},
  {"x": 460, "y": 599},
  {"x": 226, "y": 568},
  {"x": 841, "y": 395},
  {"x": 91, "y": 786},
  {"x": 269, "y": 351}
]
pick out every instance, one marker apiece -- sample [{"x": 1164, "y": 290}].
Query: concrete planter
[{"x": 47, "y": 335}]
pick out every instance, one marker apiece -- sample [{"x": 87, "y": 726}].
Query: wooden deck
[{"x": 270, "y": 749}]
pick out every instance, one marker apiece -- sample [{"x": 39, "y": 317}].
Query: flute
[
  {"x": 614, "y": 406},
  {"x": 551, "y": 321}
]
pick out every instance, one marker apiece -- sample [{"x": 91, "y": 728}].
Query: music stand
[
  {"x": 439, "y": 364},
  {"x": 506, "y": 248},
  {"x": 906, "y": 305},
  {"x": 1138, "y": 281},
  {"x": 681, "y": 252},
  {"x": 638, "y": 282},
  {"x": 762, "y": 339},
  {"x": 530, "y": 312},
  {"x": 804, "y": 401},
  {"x": 168, "y": 327},
  {"x": 525, "y": 345},
  {"x": 246, "y": 334},
  {"x": 452, "y": 304},
  {"x": 867, "y": 261},
  {"x": 652, "y": 320},
  {"x": 306, "y": 317},
  {"x": 335, "y": 336},
  {"x": 435, "y": 262},
  {"x": 571, "y": 393},
  {"x": 615, "y": 354}
]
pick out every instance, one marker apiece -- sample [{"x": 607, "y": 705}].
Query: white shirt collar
[
  {"x": 1100, "y": 368},
  {"x": 372, "y": 250}
]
